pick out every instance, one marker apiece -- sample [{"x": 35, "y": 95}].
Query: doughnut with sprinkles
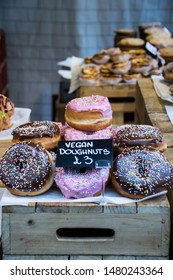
[
  {"x": 138, "y": 173},
  {"x": 27, "y": 169},
  {"x": 138, "y": 135},
  {"x": 47, "y": 133}
]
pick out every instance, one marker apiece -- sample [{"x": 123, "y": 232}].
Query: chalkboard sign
[{"x": 87, "y": 153}]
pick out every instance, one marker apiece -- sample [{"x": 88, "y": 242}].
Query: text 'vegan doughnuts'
[{"x": 90, "y": 113}]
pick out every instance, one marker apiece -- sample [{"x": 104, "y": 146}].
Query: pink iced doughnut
[
  {"x": 89, "y": 113},
  {"x": 74, "y": 134},
  {"x": 81, "y": 183}
]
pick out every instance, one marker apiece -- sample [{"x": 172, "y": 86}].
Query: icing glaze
[
  {"x": 25, "y": 167},
  {"x": 37, "y": 129},
  {"x": 142, "y": 171},
  {"x": 80, "y": 183},
  {"x": 93, "y": 102},
  {"x": 129, "y": 135},
  {"x": 74, "y": 134}
]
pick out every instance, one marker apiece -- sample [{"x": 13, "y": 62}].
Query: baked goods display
[
  {"x": 139, "y": 170},
  {"x": 89, "y": 113},
  {"x": 6, "y": 112},
  {"x": 138, "y": 173},
  {"x": 168, "y": 72},
  {"x": 114, "y": 70},
  {"x": 45, "y": 132},
  {"x": 81, "y": 183},
  {"x": 138, "y": 135},
  {"x": 27, "y": 169}
]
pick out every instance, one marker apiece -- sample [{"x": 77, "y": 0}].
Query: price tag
[
  {"x": 151, "y": 48},
  {"x": 86, "y": 153}
]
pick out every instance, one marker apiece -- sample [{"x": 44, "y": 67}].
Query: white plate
[{"x": 20, "y": 116}]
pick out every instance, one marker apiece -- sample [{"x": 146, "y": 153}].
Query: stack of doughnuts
[
  {"x": 140, "y": 169},
  {"x": 6, "y": 112},
  {"x": 112, "y": 66},
  {"x": 87, "y": 118}
]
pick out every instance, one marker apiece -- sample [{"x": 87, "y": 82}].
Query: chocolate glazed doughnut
[
  {"x": 45, "y": 132},
  {"x": 138, "y": 173},
  {"x": 138, "y": 135},
  {"x": 27, "y": 169}
]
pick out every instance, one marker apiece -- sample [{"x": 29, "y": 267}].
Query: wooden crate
[
  {"x": 130, "y": 231},
  {"x": 150, "y": 110}
]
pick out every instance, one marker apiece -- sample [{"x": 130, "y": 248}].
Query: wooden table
[{"x": 150, "y": 110}]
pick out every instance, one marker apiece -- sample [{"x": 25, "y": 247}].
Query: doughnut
[
  {"x": 27, "y": 169},
  {"x": 138, "y": 173},
  {"x": 81, "y": 183},
  {"x": 47, "y": 133},
  {"x": 5, "y": 121},
  {"x": 74, "y": 134},
  {"x": 89, "y": 113},
  {"x": 6, "y": 105},
  {"x": 138, "y": 135}
]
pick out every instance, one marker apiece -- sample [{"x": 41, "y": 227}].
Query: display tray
[
  {"x": 54, "y": 195},
  {"x": 20, "y": 116}
]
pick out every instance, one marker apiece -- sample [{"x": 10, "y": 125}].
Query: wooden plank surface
[
  {"x": 150, "y": 110},
  {"x": 4, "y": 145},
  {"x": 121, "y": 90}
]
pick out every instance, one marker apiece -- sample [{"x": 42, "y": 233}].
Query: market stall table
[
  {"x": 85, "y": 230},
  {"x": 150, "y": 109}
]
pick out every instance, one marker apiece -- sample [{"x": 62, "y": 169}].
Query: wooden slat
[
  {"x": 121, "y": 90},
  {"x": 36, "y": 234},
  {"x": 4, "y": 145}
]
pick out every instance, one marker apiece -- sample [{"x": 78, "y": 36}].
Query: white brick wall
[{"x": 41, "y": 32}]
